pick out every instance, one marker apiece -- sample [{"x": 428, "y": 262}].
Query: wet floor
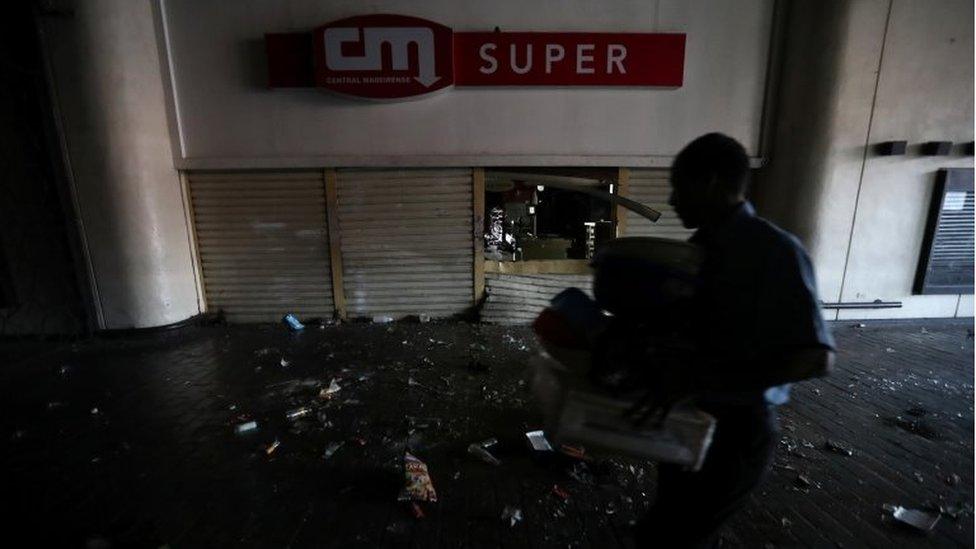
[{"x": 134, "y": 442}]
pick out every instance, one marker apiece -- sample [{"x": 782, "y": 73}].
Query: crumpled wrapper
[{"x": 417, "y": 484}]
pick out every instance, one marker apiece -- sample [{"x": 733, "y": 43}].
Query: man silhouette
[{"x": 757, "y": 328}]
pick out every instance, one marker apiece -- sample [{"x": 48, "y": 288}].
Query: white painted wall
[
  {"x": 925, "y": 93},
  {"x": 826, "y": 92},
  {"x": 227, "y": 117},
  {"x": 110, "y": 95},
  {"x": 854, "y": 77}
]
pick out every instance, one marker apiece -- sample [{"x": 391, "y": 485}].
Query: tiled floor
[{"x": 131, "y": 442}]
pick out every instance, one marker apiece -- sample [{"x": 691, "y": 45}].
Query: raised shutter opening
[
  {"x": 263, "y": 244},
  {"x": 946, "y": 262},
  {"x": 407, "y": 241},
  {"x": 652, "y": 188}
]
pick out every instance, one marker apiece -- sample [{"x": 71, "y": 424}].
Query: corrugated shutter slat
[
  {"x": 652, "y": 188},
  {"x": 518, "y": 299},
  {"x": 263, "y": 243},
  {"x": 407, "y": 243}
]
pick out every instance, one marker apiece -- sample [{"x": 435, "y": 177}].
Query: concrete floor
[{"x": 131, "y": 442}]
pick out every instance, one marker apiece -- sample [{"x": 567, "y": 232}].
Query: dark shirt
[{"x": 758, "y": 298}]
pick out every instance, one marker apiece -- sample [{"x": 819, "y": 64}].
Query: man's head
[{"x": 708, "y": 177}]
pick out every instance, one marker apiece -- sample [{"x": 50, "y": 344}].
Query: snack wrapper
[{"x": 417, "y": 484}]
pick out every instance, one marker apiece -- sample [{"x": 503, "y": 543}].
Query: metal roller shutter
[
  {"x": 407, "y": 241},
  {"x": 518, "y": 299},
  {"x": 263, "y": 244},
  {"x": 652, "y": 188}
]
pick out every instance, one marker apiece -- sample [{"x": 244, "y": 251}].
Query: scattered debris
[
  {"x": 953, "y": 479},
  {"x": 562, "y": 494},
  {"x": 411, "y": 382},
  {"x": 918, "y": 476},
  {"x": 293, "y": 322},
  {"x": 478, "y": 451},
  {"x": 580, "y": 473},
  {"x": 838, "y": 448},
  {"x": 889, "y": 350},
  {"x": 920, "y": 520},
  {"x": 331, "y": 390},
  {"x": 298, "y": 412},
  {"x": 537, "y": 439},
  {"x": 272, "y": 447},
  {"x": 956, "y": 511},
  {"x": 915, "y": 426},
  {"x": 803, "y": 481},
  {"x": 417, "y": 484},
  {"x": 382, "y": 319},
  {"x": 332, "y": 448},
  {"x": 418, "y": 423},
  {"x": 577, "y": 452},
  {"x": 488, "y": 442},
  {"x": 359, "y": 440},
  {"x": 245, "y": 427},
  {"x": 511, "y": 515}
]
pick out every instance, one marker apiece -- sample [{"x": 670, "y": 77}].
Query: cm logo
[{"x": 383, "y": 56}]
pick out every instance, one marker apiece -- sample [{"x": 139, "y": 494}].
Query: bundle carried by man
[{"x": 607, "y": 377}]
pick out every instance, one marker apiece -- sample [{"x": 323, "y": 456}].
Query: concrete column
[
  {"x": 109, "y": 90},
  {"x": 829, "y": 73}
]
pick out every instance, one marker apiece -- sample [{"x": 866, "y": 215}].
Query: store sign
[
  {"x": 568, "y": 59},
  {"x": 394, "y": 56},
  {"x": 383, "y": 56}
]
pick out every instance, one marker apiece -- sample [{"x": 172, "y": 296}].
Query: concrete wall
[
  {"x": 229, "y": 119},
  {"x": 110, "y": 95},
  {"x": 856, "y": 74},
  {"x": 39, "y": 289},
  {"x": 925, "y": 93}
]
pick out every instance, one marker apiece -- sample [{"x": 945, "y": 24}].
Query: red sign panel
[
  {"x": 568, "y": 59},
  {"x": 383, "y": 56},
  {"x": 394, "y": 56}
]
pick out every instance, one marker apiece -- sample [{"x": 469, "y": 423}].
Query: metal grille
[
  {"x": 263, "y": 244},
  {"x": 407, "y": 241},
  {"x": 947, "y": 255},
  {"x": 652, "y": 188},
  {"x": 518, "y": 299}
]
